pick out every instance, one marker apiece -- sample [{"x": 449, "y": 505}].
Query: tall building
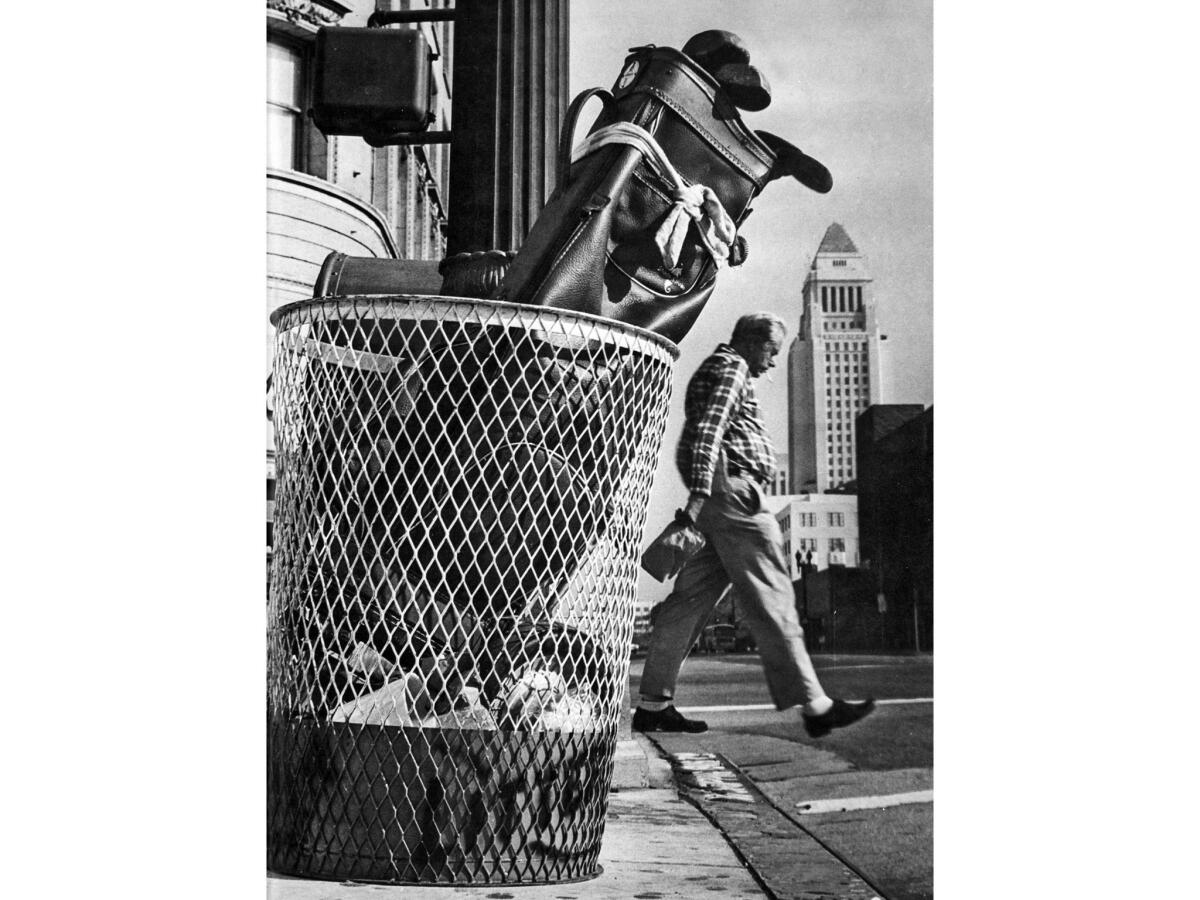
[
  {"x": 833, "y": 366},
  {"x": 895, "y": 502}
]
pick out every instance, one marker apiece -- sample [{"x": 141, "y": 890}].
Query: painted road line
[
  {"x": 863, "y": 666},
  {"x": 754, "y": 707},
  {"x": 848, "y": 804}
]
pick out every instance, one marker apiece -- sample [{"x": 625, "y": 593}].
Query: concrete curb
[
  {"x": 658, "y": 767},
  {"x": 640, "y": 764},
  {"x": 630, "y": 767}
]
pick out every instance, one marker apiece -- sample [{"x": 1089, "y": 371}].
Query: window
[
  {"x": 285, "y": 101},
  {"x": 837, "y": 545},
  {"x": 837, "y": 519},
  {"x": 839, "y": 262}
]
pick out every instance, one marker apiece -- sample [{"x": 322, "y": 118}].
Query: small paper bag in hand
[{"x": 670, "y": 550}]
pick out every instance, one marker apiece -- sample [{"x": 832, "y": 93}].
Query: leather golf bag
[{"x": 647, "y": 206}]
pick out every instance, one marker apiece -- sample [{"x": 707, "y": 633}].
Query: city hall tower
[{"x": 833, "y": 366}]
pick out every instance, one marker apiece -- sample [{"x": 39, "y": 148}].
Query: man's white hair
[{"x": 759, "y": 327}]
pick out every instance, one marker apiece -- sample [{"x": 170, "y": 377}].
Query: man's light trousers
[{"x": 744, "y": 549}]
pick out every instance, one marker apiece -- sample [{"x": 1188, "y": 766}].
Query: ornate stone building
[
  {"x": 833, "y": 366},
  {"x": 339, "y": 193}
]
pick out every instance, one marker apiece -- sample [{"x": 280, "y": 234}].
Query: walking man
[{"x": 725, "y": 458}]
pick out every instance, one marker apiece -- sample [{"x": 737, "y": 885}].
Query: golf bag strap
[
  {"x": 634, "y": 136},
  {"x": 566, "y": 141}
]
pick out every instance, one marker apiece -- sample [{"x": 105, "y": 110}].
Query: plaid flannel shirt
[{"x": 721, "y": 411}]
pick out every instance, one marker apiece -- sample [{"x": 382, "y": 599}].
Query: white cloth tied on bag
[
  {"x": 692, "y": 203},
  {"x": 701, "y": 205}
]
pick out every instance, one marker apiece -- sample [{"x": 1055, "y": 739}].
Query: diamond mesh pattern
[{"x": 461, "y": 488}]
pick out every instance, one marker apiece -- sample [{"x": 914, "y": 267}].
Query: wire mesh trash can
[{"x": 460, "y": 493}]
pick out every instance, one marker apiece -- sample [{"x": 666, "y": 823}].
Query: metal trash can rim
[{"x": 527, "y": 315}]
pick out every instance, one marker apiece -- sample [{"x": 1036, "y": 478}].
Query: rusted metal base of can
[{"x": 403, "y": 805}]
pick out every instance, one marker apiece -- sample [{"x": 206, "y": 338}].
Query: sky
[{"x": 852, "y": 85}]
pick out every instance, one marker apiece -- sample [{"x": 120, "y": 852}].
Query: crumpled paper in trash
[
  {"x": 541, "y": 699},
  {"x": 391, "y": 704},
  {"x": 397, "y": 702},
  {"x": 536, "y": 691}
]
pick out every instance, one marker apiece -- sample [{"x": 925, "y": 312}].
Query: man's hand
[{"x": 694, "y": 505}]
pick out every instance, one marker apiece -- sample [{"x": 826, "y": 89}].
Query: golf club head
[
  {"x": 745, "y": 85},
  {"x": 791, "y": 160},
  {"x": 713, "y": 49}
]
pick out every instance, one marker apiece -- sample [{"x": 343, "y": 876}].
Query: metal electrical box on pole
[{"x": 372, "y": 82}]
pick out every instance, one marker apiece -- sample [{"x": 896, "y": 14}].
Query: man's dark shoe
[
  {"x": 839, "y": 715},
  {"x": 669, "y": 719}
]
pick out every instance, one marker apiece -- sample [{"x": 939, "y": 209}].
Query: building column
[{"x": 510, "y": 96}]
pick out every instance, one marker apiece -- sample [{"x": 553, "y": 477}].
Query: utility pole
[{"x": 510, "y": 97}]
